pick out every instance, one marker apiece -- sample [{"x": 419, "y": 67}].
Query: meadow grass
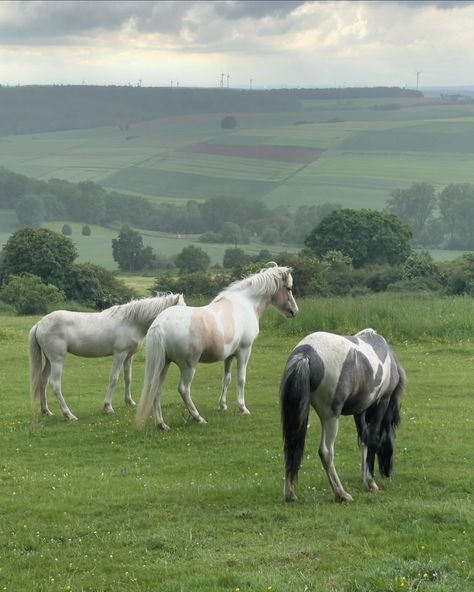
[{"x": 96, "y": 505}]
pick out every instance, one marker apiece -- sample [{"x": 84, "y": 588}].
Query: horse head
[{"x": 283, "y": 299}]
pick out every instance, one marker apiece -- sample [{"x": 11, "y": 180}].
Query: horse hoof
[
  {"x": 344, "y": 497},
  {"x": 244, "y": 411},
  {"x": 130, "y": 403},
  {"x": 70, "y": 417},
  {"x": 222, "y": 408},
  {"x": 289, "y": 497},
  {"x": 46, "y": 412},
  {"x": 108, "y": 409},
  {"x": 163, "y": 427},
  {"x": 201, "y": 421}
]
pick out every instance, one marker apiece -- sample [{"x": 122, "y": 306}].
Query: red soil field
[{"x": 296, "y": 154}]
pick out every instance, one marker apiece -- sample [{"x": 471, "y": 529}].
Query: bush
[
  {"x": 66, "y": 230},
  {"x": 28, "y": 295},
  {"x": 228, "y": 122},
  {"x": 86, "y": 230}
]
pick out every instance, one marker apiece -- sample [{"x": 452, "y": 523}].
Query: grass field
[{"x": 96, "y": 505}]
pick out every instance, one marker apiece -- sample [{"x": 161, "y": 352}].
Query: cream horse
[
  {"x": 221, "y": 331},
  {"x": 117, "y": 331}
]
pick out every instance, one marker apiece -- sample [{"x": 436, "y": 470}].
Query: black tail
[
  {"x": 294, "y": 405},
  {"x": 390, "y": 423}
]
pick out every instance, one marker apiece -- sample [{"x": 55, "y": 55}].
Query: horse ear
[{"x": 271, "y": 264}]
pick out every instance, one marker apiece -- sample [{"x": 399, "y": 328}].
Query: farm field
[
  {"x": 352, "y": 152},
  {"x": 96, "y": 505}
]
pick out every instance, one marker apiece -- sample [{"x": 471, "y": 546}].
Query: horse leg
[
  {"x": 225, "y": 384},
  {"x": 113, "y": 378},
  {"x": 55, "y": 381},
  {"x": 243, "y": 356},
  {"x": 127, "y": 375},
  {"x": 43, "y": 385},
  {"x": 184, "y": 388},
  {"x": 157, "y": 400},
  {"x": 367, "y": 476},
  {"x": 329, "y": 428}
]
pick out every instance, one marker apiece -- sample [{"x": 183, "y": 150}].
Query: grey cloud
[
  {"x": 35, "y": 22},
  {"x": 443, "y": 4},
  {"x": 257, "y": 9}
]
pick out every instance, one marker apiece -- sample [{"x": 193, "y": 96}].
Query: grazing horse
[
  {"x": 220, "y": 331},
  {"x": 117, "y": 331},
  {"x": 357, "y": 375}
]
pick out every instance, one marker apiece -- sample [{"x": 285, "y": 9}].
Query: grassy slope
[{"x": 96, "y": 505}]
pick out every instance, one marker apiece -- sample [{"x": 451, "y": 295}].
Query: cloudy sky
[{"x": 260, "y": 43}]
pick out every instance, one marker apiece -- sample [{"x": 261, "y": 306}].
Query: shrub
[
  {"x": 28, "y": 295},
  {"x": 66, "y": 230}
]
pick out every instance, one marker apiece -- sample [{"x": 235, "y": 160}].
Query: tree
[
  {"x": 456, "y": 204},
  {"x": 366, "y": 236},
  {"x": 95, "y": 286},
  {"x": 414, "y": 206},
  {"x": 38, "y": 251},
  {"x": 66, "y": 230},
  {"x": 233, "y": 257},
  {"x": 28, "y": 295},
  {"x": 228, "y": 122},
  {"x": 192, "y": 259},
  {"x": 129, "y": 252},
  {"x": 30, "y": 211},
  {"x": 86, "y": 230}
]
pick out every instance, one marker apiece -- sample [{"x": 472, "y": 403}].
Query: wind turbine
[{"x": 418, "y": 72}]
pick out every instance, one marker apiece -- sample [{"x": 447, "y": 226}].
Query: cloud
[{"x": 291, "y": 42}]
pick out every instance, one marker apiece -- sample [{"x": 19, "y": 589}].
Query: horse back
[
  {"x": 84, "y": 334},
  {"x": 201, "y": 334},
  {"x": 358, "y": 370}
]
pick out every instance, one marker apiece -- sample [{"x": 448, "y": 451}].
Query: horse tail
[
  {"x": 295, "y": 398},
  {"x": 394, "y": 404},
  {"x": 155, "y": 359},
  {"x": 36, "y": 365},
  {"x": 390, "y": 421}
]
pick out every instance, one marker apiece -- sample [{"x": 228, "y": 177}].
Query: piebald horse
[
  {"x": 357, "y": 375},
  {"x": 220, "y": 331},
  {"x": 117, "y": 331}
]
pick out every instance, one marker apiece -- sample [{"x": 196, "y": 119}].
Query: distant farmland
[{"x": 351, "y": 152}]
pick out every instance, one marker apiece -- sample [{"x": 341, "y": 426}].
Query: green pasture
[
  {"x": 97, "y": 248},
  {"x": 97, "y": 505},
  {"x": 367, "y": 153}
]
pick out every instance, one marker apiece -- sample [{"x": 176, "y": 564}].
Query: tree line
[
  {"x": 350, "y": 252},
  {"x": 34, "y": 109},
  {"x": 442, "y": 219},
  {"x": 218, "y": 219}
]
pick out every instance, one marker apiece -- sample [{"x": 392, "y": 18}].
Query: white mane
[
  {"x": 266, "y": 282},
  {"x": 143, "y": 310}
]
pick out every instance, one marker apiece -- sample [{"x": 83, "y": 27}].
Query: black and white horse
[{"x": 356, "y": 375}]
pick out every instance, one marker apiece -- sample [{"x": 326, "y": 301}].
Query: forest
[{"x": 33, "y": 109}]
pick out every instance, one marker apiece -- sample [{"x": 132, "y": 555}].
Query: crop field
[
  {"x": 356, "y": 153},
  {"x": 97, "y": 505}
]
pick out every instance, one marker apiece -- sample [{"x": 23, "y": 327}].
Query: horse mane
[
  {"x": 265, "y": 282},
  {"x": 143, "y": 310}
]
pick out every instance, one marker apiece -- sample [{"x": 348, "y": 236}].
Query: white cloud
[{"x": 293, "y": 43}]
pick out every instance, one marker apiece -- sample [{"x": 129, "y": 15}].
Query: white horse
[
  {"x": 221, "y": 331},
  {"x": 117, "y": 331}
]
